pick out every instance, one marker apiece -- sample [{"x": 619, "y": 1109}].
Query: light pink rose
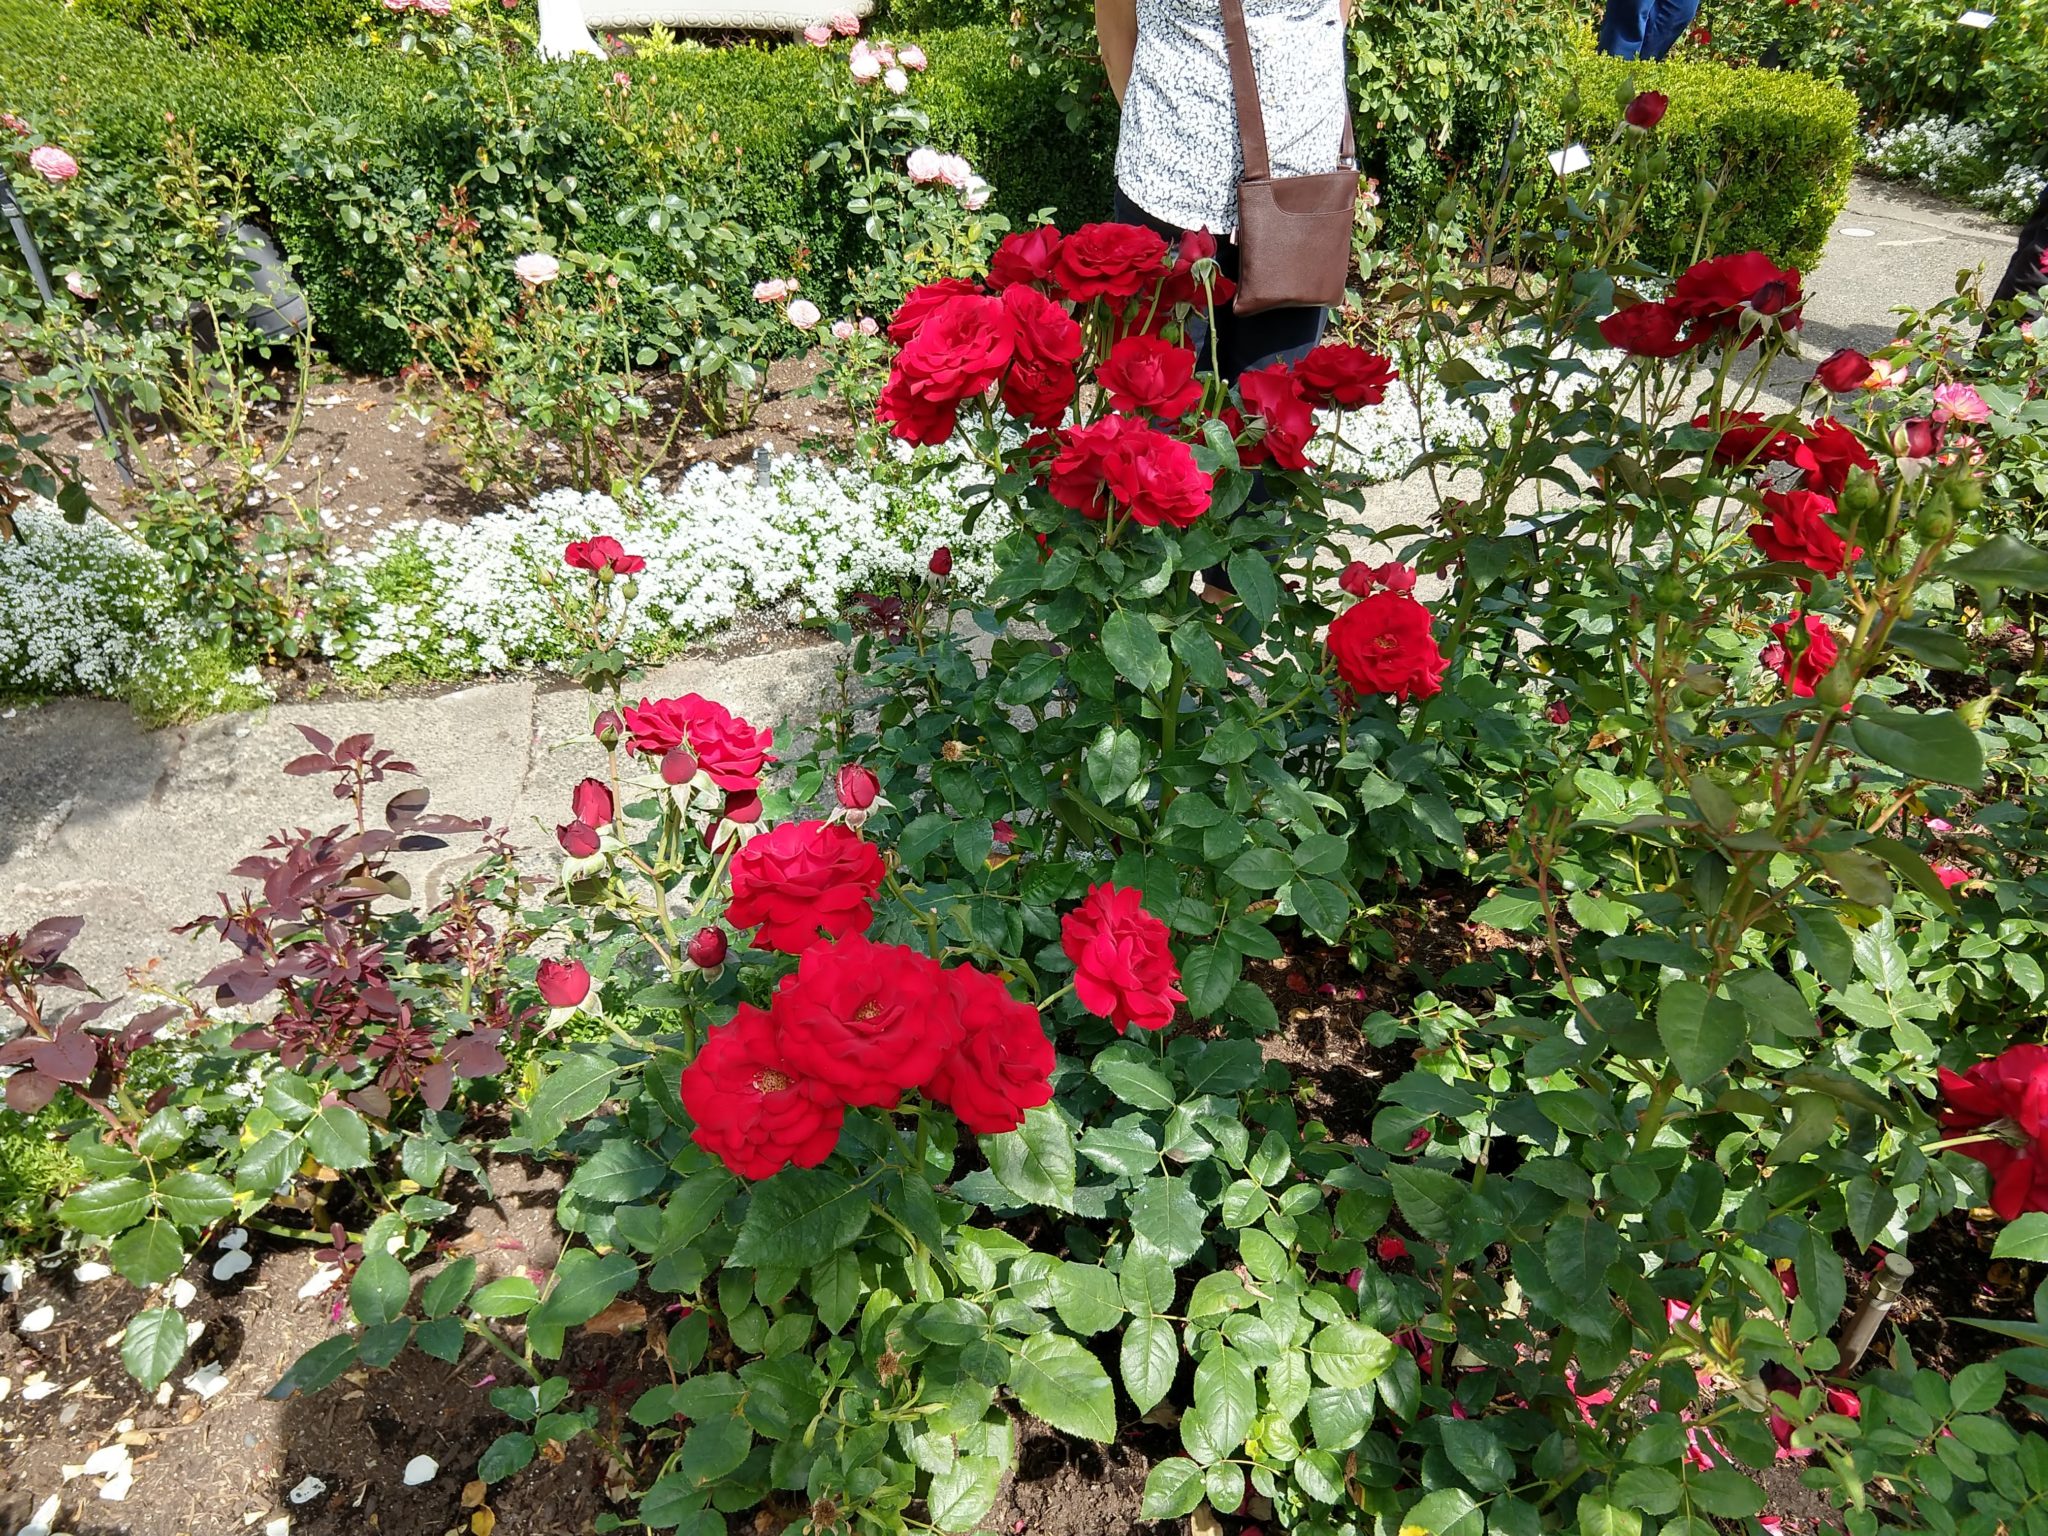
[
  {"x": 1960, "y": 403},
  {"x": 81, "y": 286},
  {"x": 975, "y": 195},
  {"x": 620, "y": 78},
  {"x": 842, "y": 330},
  {"x": 954, "y": 171},
  {"x": 436, "y": 7},
  {"x": 803, "y": 314},
  {"x": 845, "y": 23},
  {"x": 910, "y": 56},
  {"x": 924, "y": 165},
  {"x": 897, "y": 81},
  {"x": 883, "y": 50},
  {"x": 817, "y": 34},
  {"x": 870, "y": 326},
  {"x": 773, "y": 291},
  {"x": 865, "y": 67},
  {"x": 52, "y": 163},
  {"x": 9, "y": 120},
  {"x": 396, "y": 6},
  {"x": 536, "y": 268}
]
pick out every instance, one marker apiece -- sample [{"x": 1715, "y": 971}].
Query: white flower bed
[
  {"x": 84, "y": 607},
  {"x": 1953, "y": 158}
]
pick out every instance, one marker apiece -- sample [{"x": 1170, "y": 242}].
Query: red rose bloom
[
  {"x": 753, "y": 1109},
  {"x": 1383, "y": 644},
  {"x": 1003, "y": 1063},
  {"x": 1079, "y": 474},
  {"x": 1041, "y": 382},
  {"x": 1796, "y": 530},
  {"x": 1344, "y": 376},
  {"x": 708, "y": 948},
  {"x": 591, "y": 801},
  {"x": 2007, "y": 1096},
  {"x": 563, "y": 983},
  {"x": 1024, "y": 257},
  {"x": 1183, "y": 287},
  {"x": 1646, "y": 330},
  {"x": 941, "y": 562},
  {"x": 1109, "y": 261},
  {"x": 1356, "y": 578},
  {"x": 1124, "y": 970},
  {"x": 1274, "y": 395},
  {"x": 803, "y": 876},
  {"x": 579, "y": 839},
  {"x": 1747, "y": 440},
  {"x": 869, "y": 1021},
  {"x": 1843, "y": 372},
  {"x": 1713, "y": 293},
  {"x": 724, "y": 745},
  {"x": 960, "y": 350},
  {"x": 1647, "y": 110},
  {"x": 1149, "y": 377},
  {"x": 912, "y": 417},
  {"x": 920, "y": 304},
  {"x": 1832, "y": 450},
  {"x": 858, "y": 787},
  {"x": 1122, "y": 460},
  {"x": 600, "y": 554},
  {"x": 1803, "y": 672}
]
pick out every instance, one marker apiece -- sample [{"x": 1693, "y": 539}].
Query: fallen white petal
[
  {"x": 321, "y": 1283},
  {"x": 107, "y": 1461},
  {"x": 36, "y": 1388},
  {"x": 43, "y": 1520},
  {"x": 421, "y": 1469},
  {"x": 281, "y": 1526},
  {"x": 91, "y": 1270},
  {"x": 209, "y": 1381},
  {"x": 307, "y": 1491},
  {"x": 181, "y": 1291},
  {"x": 231, "y": 1264},
  {"x": 12, "y": 1274},
  {"x": 193, "y": 1329},
  {"x": 39, "y": 1319},
  {"x": 116, "y": 1487},
  {"x": 237, "y": 1238}
]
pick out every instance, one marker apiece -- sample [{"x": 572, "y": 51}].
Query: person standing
[
  {"x": 2027, "y": 272},
  {"x": 1178, "y": 155},
  {"x": 1645, "y": 29}
]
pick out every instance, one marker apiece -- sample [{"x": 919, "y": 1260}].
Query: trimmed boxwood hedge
[{"x": 757, "y": 113}]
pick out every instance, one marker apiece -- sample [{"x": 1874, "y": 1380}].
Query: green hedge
[
  {"x": 1787, "y": 144},
  {"x": 262, "y": 24}
]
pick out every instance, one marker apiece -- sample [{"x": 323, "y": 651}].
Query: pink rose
[
  {"x": 865, "y": 66},
  {"x": 1959, "y": 402},
  {"x": 536, "y": 268},
  {"x": 773, "y": 291},
  {"x": 975, "y": 195},
  {"x": 923, "y": 165},
  {"x": 896, "y": 81},
  {"x": 817, "y": 34},
  {"x": 869, "y": 326},
  {"x": 436, "y": 7},
  {"x": 845, "y": 23},
  {"x": 881, "y": 49},
  {"x": 395, "y": 6},
  {"x": 911, "y": 57},
  {"x": 620, "y": 78},
  {"x": 803, "y": 314},
  {"x": 954, "y": 170},
  {"x": 1950, "y": 875},
  {"x": 52, "y": 163},
  {"x": 842, "y": 330}
]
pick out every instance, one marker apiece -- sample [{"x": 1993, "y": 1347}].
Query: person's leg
[
  {"x": 1668, "y": 20},
  {"x": 1622, "y": 27},
  {"x": 2023, "y": 274}
]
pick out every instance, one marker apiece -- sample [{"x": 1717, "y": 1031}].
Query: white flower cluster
[
  {"x": 1380, "y": 442},
  {"x": 1955, "y": 159},
  {"x": 792, "y": 535},
  {"x": 84, "y": 607}
]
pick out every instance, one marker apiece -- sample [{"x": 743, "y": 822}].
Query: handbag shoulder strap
[{"x": 1244, "y": 87}]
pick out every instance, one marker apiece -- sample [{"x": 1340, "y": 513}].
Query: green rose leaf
[
  {"x": 153, "y": 1345},
  {"x": 1057, "y": 1379},
  {"x": 1702, "y": 1033},
  {"x": 379, "y": 1290},
  {"x": 1938, "y": 747},
  {"x": 339, "y": 1137},
  {"x": 1148, "y": 1361},
  {"x": 1172, "y": 1489},
  {"x": 801, "y": 1217},
  {"x": 1347, "y": 1354},
  {"x": 1036, "y": 1161},
  {"x": 1135, "y": 650},
  {"x": 148, "y": 1254}
]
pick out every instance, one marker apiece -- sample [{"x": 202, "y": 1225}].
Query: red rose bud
[
  {"x": 1917, "y": 439},
  {"x": 1004, "y": 834},
  {"x": 708, "y": 948},
  {"x": 563, "y": 983},
  {"x": 1771, "y": 298},
  {"x": 1841, "y": 1400},
  {"x": 1844, "y": 371},
  {"x": 941, "y": 562},
  {"x": 1357, "y": 578},
  {"x": 608, "y": 728},
  {"x": 1390, "y": 1249},
  {"x": 578, "y": 839},
  {"x": 858, "y": 787},
  {"x": 677, "y": 766},
  {"x": 592, "y": 802},
  {"x": 742, "y": 807},
  {"x": 1559, "y": 713},
  {"x": 1647, "y": 110}
]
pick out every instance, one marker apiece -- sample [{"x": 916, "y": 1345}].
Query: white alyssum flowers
[{"x": 84, "y": 607}]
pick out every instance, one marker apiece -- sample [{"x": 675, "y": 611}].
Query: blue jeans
[{"x": 1645, "y": 29}]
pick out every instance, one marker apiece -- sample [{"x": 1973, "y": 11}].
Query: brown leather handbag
[{"x": 1293, "y": 232}]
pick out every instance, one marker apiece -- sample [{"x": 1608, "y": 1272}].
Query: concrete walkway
[{"x": 137, "y": 830}]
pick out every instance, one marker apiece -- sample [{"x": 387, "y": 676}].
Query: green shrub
[
  {"x": 260, "y": 24},
  {"x": 1782, "y": 146}
]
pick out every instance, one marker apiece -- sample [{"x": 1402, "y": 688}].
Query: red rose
[
  {"x": 1950, "y": 875},
  {"x": 579, "y": 839},
  {"x": 858, "y": 787},
  {"x": 1079, "y": 474},
  {"x": 913, "y": 418},
  {"x": 1109, "y": 261},
  {"x": 1796, "y": 530},
  {"x": 1844, "y": 371},
  {"x": 724, "y": 745},
  {"x": 941, "y": 562},
  {"x": 1149, "y": 377},
  {"x": 1802, "y": 672},
  {"x": 1123, "y": 968},
  {"x": 869, "y": 1021},
  {"x": 1389, "y": 1249},
  {"x": 2008, "y": 1097},
  {"x": 1041, "y": 382},
  {"x": 1024, "y": 257},
  {"x": 1184, "y": 287},
  {"x": 742, "y": 808},
  {"x": 1356, "y": 579},
  {"x": 1646, "y": 330},
  {"x": 563, "y": 983},
  {"x": 1647, "y": 110},
  {"x": 753, "y": 1109},
  {"x": 607, "y": 728},
  {"x": 708, "y": 948},
  {"x": 677, "y": 766},
  {"x": 1274, "y": 395},
  {"x": 920, "y": 304},
  {"x": 1161, "y": 481},
  {"x": 803, "y": 876},
  {"x": 1713, "y": 293},
  {"x": 592, "y": 554},
  {"x": 960, "y": 350},
  {"x": 1344, "y": 376},
  {"x": 1918, "y": 438},
  {"x": 591, "y": 801},
  {"x": 1383, "y": 644},
  {"x": 1832, "y": 450},
  {"x": 1003, "y": 1063}
]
